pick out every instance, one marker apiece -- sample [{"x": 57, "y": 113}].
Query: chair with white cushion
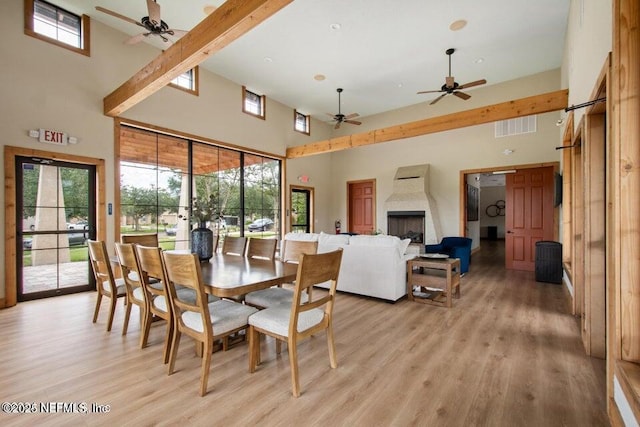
[
  {"x": 106, "y": 284},
  {"x": 202, "y": 321},
  {"x": 136, "y": 294},
  {"x": 291, "y": 251},
  {"x": 293, "y": 323}
]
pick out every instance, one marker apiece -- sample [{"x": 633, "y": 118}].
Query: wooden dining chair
[
  {"x": 234, "y": 245},
  {"x": 148, "y": 239},
  {"x": 202, "y": 321},
  {"x": 154, "y": 280},
  {"x": 106, "y": 284},
  {"x": 300, "y": 320},
  {"x": 136, "y": 293},
  {"x": 270, "y": 297},
  {"x": 261, "y": 248}
]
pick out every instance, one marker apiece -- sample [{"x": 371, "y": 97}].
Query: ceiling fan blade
[
  {"x": 428, "y": 91},
  {"x": 117, "y": 15},
  {"x": 438, "y": 99},
  {"x": 337, "y": 126},
  {"x": 154, "y": 12},
  {"x": 352, "y": 116},
  {"x": 353, "y": 122},
  {"x": 472, "y": 84},
  {"x": 461, "y": 95},
  {"x": 136, "y": 39},
  {"x": 333, "y": 117}
]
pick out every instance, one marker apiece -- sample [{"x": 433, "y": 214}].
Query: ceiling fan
[
  {"x": 152, "y": 23},
  {"x": 451, "y": 86},
  {"x": 341, "y": 118}
]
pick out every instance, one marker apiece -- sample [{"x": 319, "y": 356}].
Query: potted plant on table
[{"x": 203, "y": 211}]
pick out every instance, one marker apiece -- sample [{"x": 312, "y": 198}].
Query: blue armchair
[{"x": 455, "y": 247}]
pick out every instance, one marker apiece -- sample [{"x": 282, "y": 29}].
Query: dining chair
[
  {"x": 300, "y": 320},
  {"x": 106, "y": 284},
  {"x": 202, "y": 321},
  {"x": 148, "y": 239},
  {"x": 154, "y": 280},
  {"x": 261, "y": 248},
  {"x": 136, "y": 294},
  {"x": 270, "y": 297},
  {"x": 234, "y": 245}
]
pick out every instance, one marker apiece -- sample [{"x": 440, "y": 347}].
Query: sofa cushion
[
  {"x": 302, "y": 237},
  {"x": 381, "y": 240},
  {"x": 335, "y": 240}
]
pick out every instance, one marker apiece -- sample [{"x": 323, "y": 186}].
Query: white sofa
[{"x": 374, "y": 266}]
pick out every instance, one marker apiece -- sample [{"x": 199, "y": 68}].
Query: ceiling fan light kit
[{"x": 451, "y": 87}]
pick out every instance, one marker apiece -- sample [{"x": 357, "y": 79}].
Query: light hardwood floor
[{"x": 506, "y": 354}]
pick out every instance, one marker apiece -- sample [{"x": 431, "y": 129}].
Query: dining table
[{"x": 232, "y": 275}]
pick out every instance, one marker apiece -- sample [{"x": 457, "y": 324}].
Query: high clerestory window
[
  {"x": 187, "y": 81},
  {"x": 50, "y": 23},
  {"x": 301, "y": 122},
  {"x": 253, "y": 104}
]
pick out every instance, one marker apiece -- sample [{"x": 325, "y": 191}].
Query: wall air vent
[{"x": 517, "y": 126}]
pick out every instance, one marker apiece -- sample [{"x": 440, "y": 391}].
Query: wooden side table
[{"x": 438, "y": 280}]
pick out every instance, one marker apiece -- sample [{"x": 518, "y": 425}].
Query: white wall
[
  {"x": 45, "y": 86},
  {"x": 447, "y": 152}
]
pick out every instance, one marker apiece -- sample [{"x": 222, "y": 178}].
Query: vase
[{"x": 202, "y": 242}]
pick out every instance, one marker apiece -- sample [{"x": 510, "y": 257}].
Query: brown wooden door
[
  {"x": 362, "y": 202},
  {"x": 529, "y": 215}
]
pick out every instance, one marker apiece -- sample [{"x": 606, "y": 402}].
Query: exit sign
[{"x": 53, "y": 137}]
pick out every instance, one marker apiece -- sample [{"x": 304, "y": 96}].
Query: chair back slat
[
  {"x": 149, "y": 239},
  {"x": 292, "y": 249},
  {"x": 152, "y": 266},
  {"x": 131, "y": 272},
  {"x": 101, "y": 265},
  {"x": 184, "y": 270},
  {"x": 234, "y": 245},
  {"x": 261, "y": 248}
]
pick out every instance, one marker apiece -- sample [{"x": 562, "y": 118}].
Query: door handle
[{"x": 509, "y": 232}]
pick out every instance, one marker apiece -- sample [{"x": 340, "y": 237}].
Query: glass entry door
[
  {"x": 55, "y": 208},
  {"x": 301, "y": 209}
]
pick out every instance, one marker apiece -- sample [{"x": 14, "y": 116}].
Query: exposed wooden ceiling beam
[
  {"x": 230, "y": 21},
  {"x": 537, "y": 104}
]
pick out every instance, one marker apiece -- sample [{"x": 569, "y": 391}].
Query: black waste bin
[{"x": 548, "y": 262}]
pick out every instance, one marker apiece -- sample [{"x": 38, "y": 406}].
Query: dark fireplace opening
[{"x": 406, "y": 225}]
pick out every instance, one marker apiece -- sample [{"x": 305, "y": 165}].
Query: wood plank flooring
[{"x": 506, "y": 354}]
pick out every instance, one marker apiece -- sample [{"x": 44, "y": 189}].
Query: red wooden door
[
  {"x": 362, "y": 202},
  {"x": 529, "y": 215}
]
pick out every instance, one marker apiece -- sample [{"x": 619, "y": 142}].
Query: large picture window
[{"x": 162, "y": 177}]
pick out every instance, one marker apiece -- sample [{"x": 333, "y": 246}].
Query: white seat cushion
[
  {"x": 185, "y": 294},
  {"x": 276, "y": 319},
  {"x": 120, "y": 287},
  {"x": 138, "y": 294},
  {"x": 225, "y": 316},
  {"x": 271, "y": 297}
]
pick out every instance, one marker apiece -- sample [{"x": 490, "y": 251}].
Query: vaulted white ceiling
[{"x": 381, "y": 52}]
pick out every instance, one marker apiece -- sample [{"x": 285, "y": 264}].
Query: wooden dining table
[{"x": 232, "y": 275}]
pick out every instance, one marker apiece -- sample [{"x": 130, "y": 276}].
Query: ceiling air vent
[{"x": 517, "y": 126}]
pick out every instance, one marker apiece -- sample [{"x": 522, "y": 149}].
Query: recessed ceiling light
[
  {"x": 399, "y": 84},
  {"x": 458, "y": 25},
  {"x": 268, "y": 59},
  {"x": 479, "y": 60},
  {"x": 208, "y": 10},
  {"x": 319, "y": 77},
  {"x": 335, "y": 26}
]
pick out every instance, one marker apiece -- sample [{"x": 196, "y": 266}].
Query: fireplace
[{"x": 406, "y": 225}]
